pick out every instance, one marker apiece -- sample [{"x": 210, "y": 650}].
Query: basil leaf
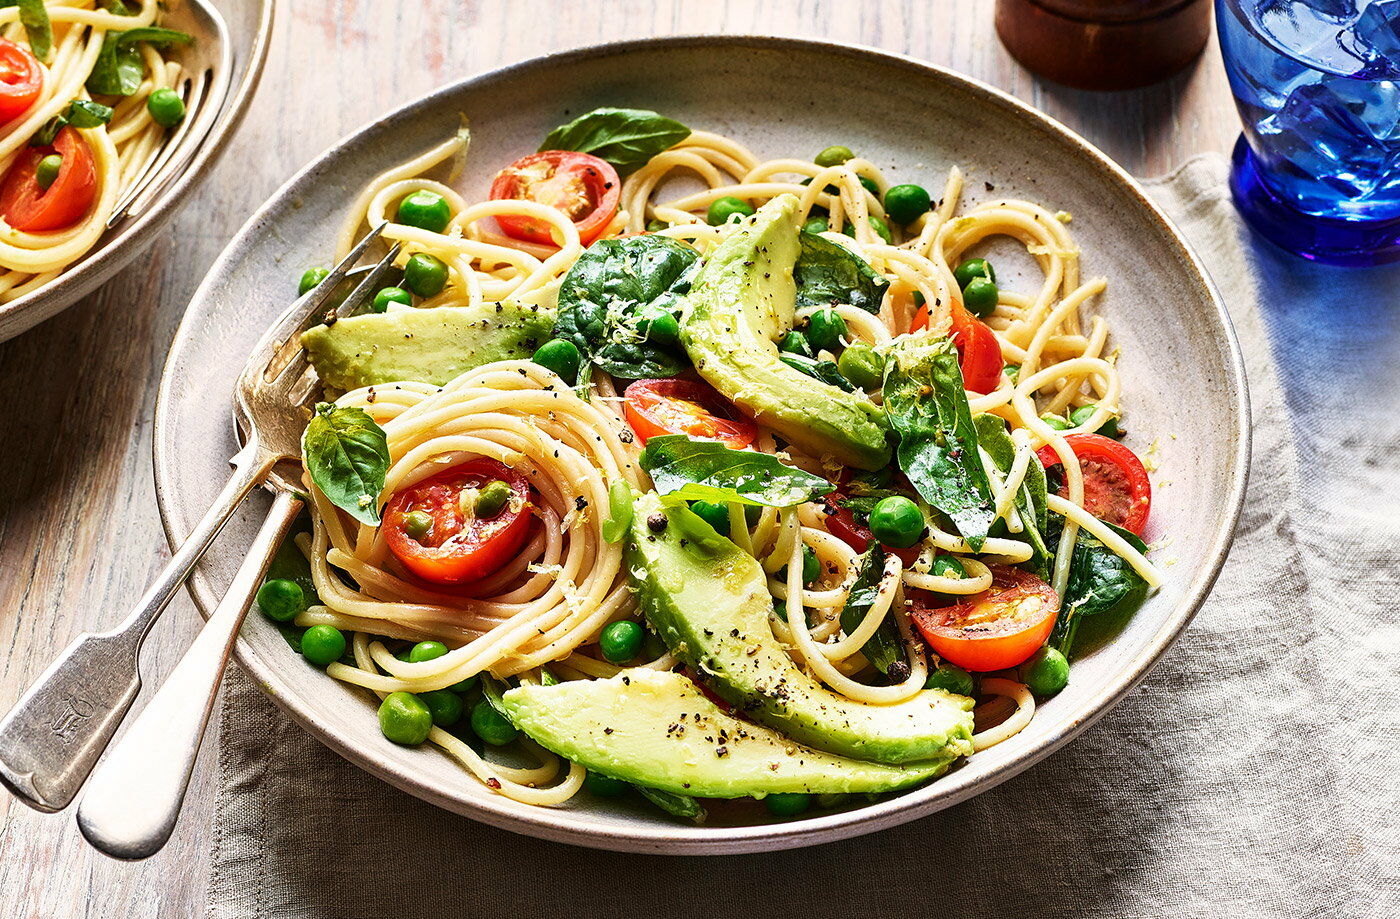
[
  {"x": 883, "y": 649},
  {"x": 627, "y": 138},
  {"x": 611, "y": 295},
  {"x": 693, "y": 470},
  {"x": 1030, "y": 499},
  {"x": 347, "y": 457},
  {"x": 825, "y": 371},
  {"x": 673, "y": 804},
  {"x": 119, "y": 69},
  {"x": 927, "y": 407},
  {"x": 85, "y": 114},
  {"x": 37, "y": 27},
  {"x": 827, "y": 272},
  {"x": 1100, "y": 581}
]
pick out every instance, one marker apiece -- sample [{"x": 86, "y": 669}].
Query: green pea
[
  {"x": 951, "y": 679},
  {"x": 621, "y": 641},
  {"x": 417, "y": 524},
  {"x": 664, "y": 330},
  {"x": 825, "y": 329},
  {"x": 1047, "y": 672},
  {"x": 281, "y": 600},
  {"x": 604, "y": 786},
  {"x": 166, "y": 107},
  {"x": 816, "y": 225},
  {"x": 426, "y": 651},
  {"x": 405, "y": 719},
  {"x": 1055, "y": 421},
  {"x": 869, "y": 185},
  {"x": 788, "y": 804},
  {"x": 904, "y": 203},
  {"x": 445, "y": 706},
  {"x": 656, "y": 226},
  {"x": 561, "y": 356},
  {"x": 947, "y": 566},
  {"x": 310, "y": 278},
  {"x": 425, "y": 275},
  {"x": 466, "y": 685},
  {"x": 795, "y": 343},
  {"x": 882, "y": 229},
  {"x": 716, "y": 515},
  {"x": 896, "y": 521},
  {"x": 726, "y": 208},
  {"x": 862, "y": 365},
  {"x": 492, "y": 498},
  {"x": 1080, "y": 417},
  {"x": 834, "y": 155},
  {"x": 980, "y": 297},
  {"x": 46, "y": 172},
  {"x": 391, "y": 295},
  {"x": 974, "y": 268},
  {"x": 426, "y": 210},
  {"x": 491, "y": 726},
  {"x": 322, "y": 645}
]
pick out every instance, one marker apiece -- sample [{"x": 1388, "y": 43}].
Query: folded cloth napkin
[{"x": 1254, "y": 773}]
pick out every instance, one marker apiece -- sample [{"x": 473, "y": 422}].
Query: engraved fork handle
[
  {"x": 52, "y": 738},
  {"x": 134, "y": 797}
]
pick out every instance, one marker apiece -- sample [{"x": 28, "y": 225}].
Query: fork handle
[
  {"x": 134, "y": 796},
  {"x": 52, "y": 738}
]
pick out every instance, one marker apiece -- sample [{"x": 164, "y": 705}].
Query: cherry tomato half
[
  {"x": 21, "y": 80},
  {"x": 583, "y": 187},
  {"x": 27, "y": 207},
  {"x": 841, "y": 523},
  {"x": 458, "y": 547},
  {"x": 978, "y": 350},
  {"x": 1116, "y": 487},
  {"x": 685, "y": 407},
  {"x": 999, "y": 628}
]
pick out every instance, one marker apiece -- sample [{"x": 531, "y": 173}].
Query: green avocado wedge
[
  {"x": 742, "y": 300},
  {"x": 432, "y": 346},
  {"x": 709, "y": 602},
  {"x": 656, "y": 728}
]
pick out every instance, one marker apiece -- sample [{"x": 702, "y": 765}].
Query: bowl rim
[
  {"x": 574, "y": 828},
  {"x": 115, "y": 252}
]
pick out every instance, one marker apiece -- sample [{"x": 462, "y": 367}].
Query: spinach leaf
[
  {"x": 1030, "y": 499},
  {"x": 347, "y": 457},
  {"x": 694, "y": 470},
  {"x": 80, "y": 113},
  {"x": 1100, "y": 581},
  {"x": 826, "y": 371},
  {"x": 612, "y": 294},
  {"x": 37, "y": 26},
  {"x": 119, "y": 69},
  {"x": 625, "y": 137},
  {"x": 928, "y": 408},
  {"x": 883, "y": 649},
  {"x": 673, "y": 804},
  {"x": 828, "y": 272}
]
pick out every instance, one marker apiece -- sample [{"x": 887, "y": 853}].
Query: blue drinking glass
[{"x": 1317, "y": 83}]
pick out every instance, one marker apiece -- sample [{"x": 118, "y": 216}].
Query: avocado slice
[
  {"x": 656, "y": 728},
  {"x": 710, "y": 603},
  {"x": 743, "y": 298},
  {"x": 423, "y": 345}
]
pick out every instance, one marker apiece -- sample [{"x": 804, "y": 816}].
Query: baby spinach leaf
[
  {"x": 612, "y": 294},
  {"x": 883, "y": 649},
  {"x": 1030, "y": 499},
  {"x": 826, "y": 371},
  {"x": 694, "y": 470},
  {"x": 119, "y": 69},
  {"x": 83, "y": 113},
  {"x": 625, "y": 137},
  {"x": 927, "y": 407},
  {"x": 37, "y": 27},
  {"x": 673, "y": 804},
  {"x": 828, "y": 272},
  {"x": 1099, "y": 581},
  {"x": 347, "y": 456}
]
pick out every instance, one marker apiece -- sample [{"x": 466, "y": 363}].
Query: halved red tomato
[
  {"x": 999, "y": 628},
  {"x": 21, "y": 80},
  {"x": 841, "y": 523},
  {"x": 1116, "y": 487},
  {"x": 978, "y": 350},
  {"x": 457, "y": 546},
  {"x": 687, "y": 407},
  {"x": 27, "y": 207},
  {"x": 584, "y": 187}
]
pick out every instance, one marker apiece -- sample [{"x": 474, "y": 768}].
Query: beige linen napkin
[{"x": 1254, "y": 773}]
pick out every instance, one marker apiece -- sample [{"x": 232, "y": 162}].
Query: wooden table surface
[{"x": 79, "y": 534}]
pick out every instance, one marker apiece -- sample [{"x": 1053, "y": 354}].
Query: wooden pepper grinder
[{"x": 1104, "y": 44}]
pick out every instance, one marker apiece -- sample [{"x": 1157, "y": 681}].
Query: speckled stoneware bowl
[
  {"x": 250, "y": 32},
  {"x": 1181, "y": 365}
]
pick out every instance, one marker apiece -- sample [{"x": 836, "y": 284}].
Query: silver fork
[
  {"x": 208, "y": 64},
  {"x": 52, "y": 738}
]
